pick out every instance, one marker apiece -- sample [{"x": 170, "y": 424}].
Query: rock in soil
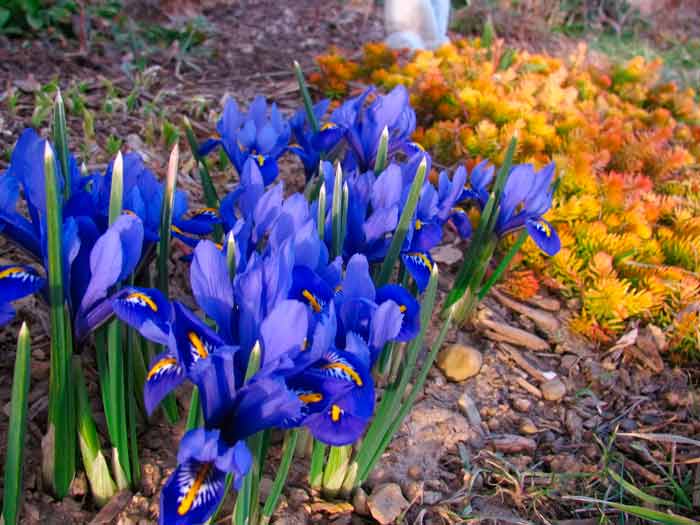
[
  {"x": 359, "y": 502},
  {"x": 387, "y": 503},
  {"x": 522, "y": 405},
  {"x": 553, "y": 390},
  {"x": 460, "y": 362},
  {"x": 468, "y": 408},
  {"x": 511, "y": 444}
]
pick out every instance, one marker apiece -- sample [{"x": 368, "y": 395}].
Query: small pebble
[
  {"x": 553, "y": 390},
  {"x": 522, "y": 405}
]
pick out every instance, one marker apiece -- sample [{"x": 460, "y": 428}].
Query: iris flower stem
[
  {"x": 391, "y": 401},
  {"x": 498, "y": 272},
  {"x": 101, "y": 484},
  {"x": 335, "y": 470},
  {"x": 195, "y": 411},
  {"x": 60, "y": 139},
  {"x": 117, "y": 379},
  {"x": 306, "y": 96},
  {"x": 337, "y": 212},
  {"x": 318, "y": 459},
  {"x": 485, "y": 230},
  {"x": 408, "y": 403},
  {"x": 130, "y": 393},
  {"x": 404, "y": 222},
  {"x": 12, "y": 494},
  {"x": 210, "y": 196},
  {"x": 163, "y": 253},
  {"x": 290, "y": 445},
  {"x": 59, "y": 461}
]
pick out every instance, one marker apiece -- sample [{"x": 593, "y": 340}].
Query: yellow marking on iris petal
[
  {"x": 348, "y": 370},
  {"x": 188, "y": 500},
  {"x": 419, "y": 146},
  {"x": 336, "y": 412},
  {"x": 312, "y": 300},
  {"x": 424, "y": 259},
  {"x": 205, "y": 210},
  {"x": 198, "y": 345},
  {"x": 129, "y": 212},
  {"x": 544, "y": 228},
  {"x": 261, "y": 160},
  {"x": 295, "y": 145},
  {"x": 314, "y": 397},
  {"x": 163, "y": 363},
  {"x": 402, "y": 308},
  {"x": 328, "y": 125},
  {"x": 457, "y": 210},
  {"x": 305, "y": 344},
  {"x": 143, "y": 297},
  {"x": 7, "y": 272},
  {"x": 177, "y": 230},
  {"x": 219, "y": 246},
  {"x": 419, "y": 224}
]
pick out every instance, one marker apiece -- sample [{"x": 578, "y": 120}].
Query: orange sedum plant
[{"x": 627, "y": 149}]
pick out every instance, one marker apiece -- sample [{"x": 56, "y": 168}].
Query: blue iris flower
[
  {"x": 375, "y": 205},
  {"x": 96, "y": 256},
  {"x": 526, "y": 197},
  {"x": 320, "y": 326},
  {"x": 252, "y": 134},
  {"x": 312, "y": 146},
  {"x": 364, "y": 124}
]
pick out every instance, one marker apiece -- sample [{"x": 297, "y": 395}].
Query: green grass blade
[
  {"x": 59, "y": 463},
  {"x": 306, "y": 96},
  {"x": 637, "y": 492},
  {"x": 650, "y": 515},
  {"x": 404, "y": 223},
  {"x": 12, "y": 495},
  {"x": 60, "y": 140},
  {"x": 290, "y": 445},
  {"x": 101, "y": 484}
]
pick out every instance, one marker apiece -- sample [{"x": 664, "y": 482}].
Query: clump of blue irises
[{"x": 306, "y": 301}]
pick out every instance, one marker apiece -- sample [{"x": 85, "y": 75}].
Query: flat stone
[
  {"x": 553, "y": 390},
  {"x": 386, "y": 503},
  {"x": 460, "y": 362}
]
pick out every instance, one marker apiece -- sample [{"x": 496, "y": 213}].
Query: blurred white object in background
[{"x": 416, "y": 24}]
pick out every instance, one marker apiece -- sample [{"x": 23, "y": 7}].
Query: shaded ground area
[{"x": 547, "y": 417}]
